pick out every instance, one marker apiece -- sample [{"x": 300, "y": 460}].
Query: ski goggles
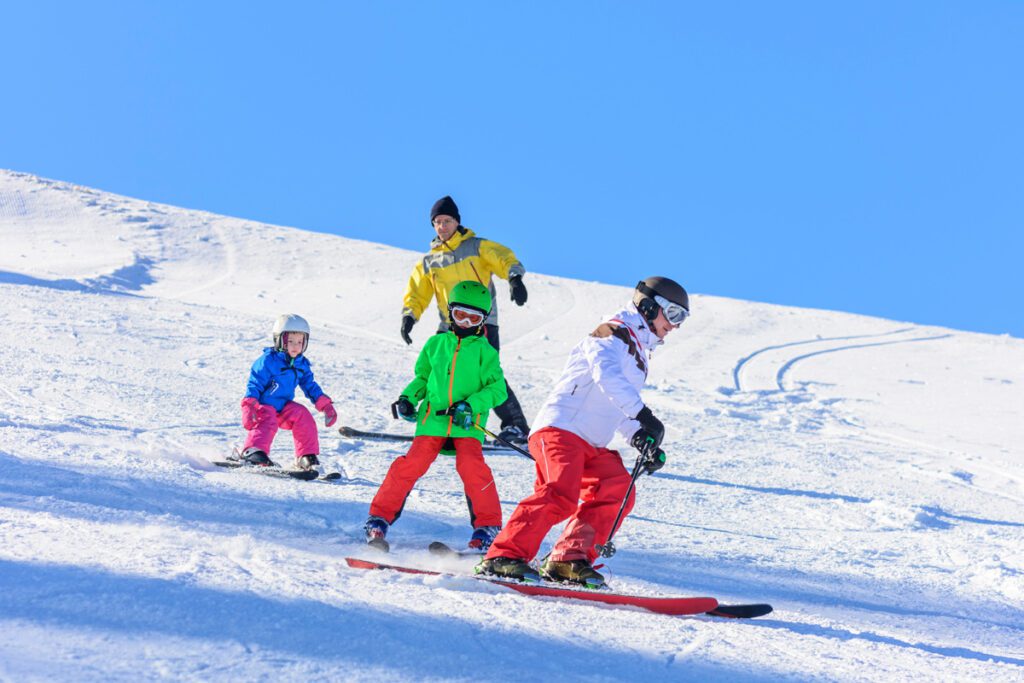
[
  {"x": 466, "y": 317},
  {"x": 674, "y": 313}
]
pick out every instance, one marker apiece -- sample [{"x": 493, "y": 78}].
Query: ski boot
[
  {"x": 572, "y": 571},
  {"x": 307, "y": 462},
  {"x": 515, "y": 435},
  {"x": 482, "y": 538},
  {"x": 376, "y": 529},
  {"x": 255, "y": 456},
  {"x": 507, "y": 568}
]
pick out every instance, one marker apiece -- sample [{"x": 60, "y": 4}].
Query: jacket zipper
[{"x": 451, "y": 383}]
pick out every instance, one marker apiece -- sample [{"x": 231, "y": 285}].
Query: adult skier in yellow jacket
[{"x": 457, "y": 254}]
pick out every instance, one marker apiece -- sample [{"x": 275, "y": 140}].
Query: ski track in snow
[{"x": 863, "y": 476}]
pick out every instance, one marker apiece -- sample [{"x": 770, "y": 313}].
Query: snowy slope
[{"x": 863, "y": 475}]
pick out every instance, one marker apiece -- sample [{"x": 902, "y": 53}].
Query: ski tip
[
  {"x": 356, "y": 563},
  {"x": 740, "y": 611},
  {"x": 379, "y": 544},
  {"x": 331, "y": 476},
  {"x": 444, "y": 550}
]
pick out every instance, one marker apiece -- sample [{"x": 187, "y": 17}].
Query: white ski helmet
[{"x": 290, "y": 322}]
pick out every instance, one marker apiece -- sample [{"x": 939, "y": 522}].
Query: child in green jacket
[{"x": 458, "y": 381}]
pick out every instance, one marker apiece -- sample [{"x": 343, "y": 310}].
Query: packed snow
[{"x": 864, "y": 476}]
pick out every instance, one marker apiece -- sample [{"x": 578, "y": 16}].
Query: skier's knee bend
[{"x": 561, "y": 503}]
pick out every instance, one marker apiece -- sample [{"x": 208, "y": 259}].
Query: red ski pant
[
  {"x": 293, "y": 417},
  {"x": 477, "y": 480},
  {"x": 575, "y": 480}
]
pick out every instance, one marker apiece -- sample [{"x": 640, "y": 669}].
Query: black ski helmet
[{"x": 648, "y": 288}]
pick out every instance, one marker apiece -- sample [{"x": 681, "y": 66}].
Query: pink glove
[
  {"x": 324, "y": 405},
  {"x": 250, "y": 412}
]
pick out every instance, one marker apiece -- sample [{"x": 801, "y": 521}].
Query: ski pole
[
  {"x": 608, "y": 549},
  {"x": 500, "y": 440}
]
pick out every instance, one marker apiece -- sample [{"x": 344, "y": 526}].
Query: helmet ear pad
[{"x": 648, "y": 308}]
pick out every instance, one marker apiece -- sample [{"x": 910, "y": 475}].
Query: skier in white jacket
[{"x": 578, "y": 477}]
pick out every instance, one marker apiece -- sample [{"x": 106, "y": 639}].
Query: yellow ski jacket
[{"x": 463, "y": 257}]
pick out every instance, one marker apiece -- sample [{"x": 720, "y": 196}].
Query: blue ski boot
[
  {"x": 482, "y": 538},
  {"x": 376, "y": 529}
]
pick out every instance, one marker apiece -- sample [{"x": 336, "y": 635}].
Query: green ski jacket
[{"x": 450, "y": 370}]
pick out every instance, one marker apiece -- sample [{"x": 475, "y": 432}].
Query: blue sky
[{"x": 861, "y": 156}]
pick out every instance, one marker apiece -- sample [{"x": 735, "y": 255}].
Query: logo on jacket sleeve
[{"x": 623, "y": 335}]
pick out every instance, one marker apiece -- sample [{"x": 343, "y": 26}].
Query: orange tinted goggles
[{"x": 466, "y": 317}]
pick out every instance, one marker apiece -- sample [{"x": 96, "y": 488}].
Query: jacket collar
[
  {"x": 637, "y": 324},
  {"x": 461, "y": 235},
  {"x": 283, "y": 356}
]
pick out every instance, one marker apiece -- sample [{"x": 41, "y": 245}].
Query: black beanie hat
[{"x": 445, "y": 206}]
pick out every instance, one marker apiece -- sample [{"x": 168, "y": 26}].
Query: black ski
[
  {"x": 444, "y": 550},
  {"x": 352, "y": 433},
  {"x": 379, "y": 544},
  {"x": 740, "y": 611},
  {"x": 275, "y": 471}
]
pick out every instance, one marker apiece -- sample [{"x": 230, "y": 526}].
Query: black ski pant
[{"x": 510, "y": 412}]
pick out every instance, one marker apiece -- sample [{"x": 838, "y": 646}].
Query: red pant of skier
[
  {"x": 405, "y": 471},
  {"x": 575, "y": 481}
]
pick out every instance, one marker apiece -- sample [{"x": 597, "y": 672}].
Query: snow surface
[{"x": 862, "y": 475}]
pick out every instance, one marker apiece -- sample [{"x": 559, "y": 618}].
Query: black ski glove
[
  {"x": 403, "y": 408},
  {"x": 651, "y": 432},
  {"x": 461, "y": 413},
  {"x": 407, "y": 322},
  {"x": 515, "y": 283},
  {"x": 652, "y": 462}
]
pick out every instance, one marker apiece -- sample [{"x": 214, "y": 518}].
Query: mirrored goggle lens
[
  {"x": 674, "y": 313},
  {"x": 466, "y": 317}
]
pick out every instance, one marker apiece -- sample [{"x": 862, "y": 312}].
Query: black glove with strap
[
  {"x": 652, "y": 462},
  {"x": 651, "y": 432},
  {"x": 407, "y": 322},
  {"x": 461, "y": 413},
  {"x": 403, "y": 408},
  {"x": 518, "y": 289}
]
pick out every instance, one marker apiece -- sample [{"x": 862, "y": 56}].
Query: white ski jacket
[{"x": 598, "y": 393}]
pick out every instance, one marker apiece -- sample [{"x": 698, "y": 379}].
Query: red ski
[{"x": 674, "y": 606}]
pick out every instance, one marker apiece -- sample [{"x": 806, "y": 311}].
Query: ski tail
[{"x": 740, "y": 611}]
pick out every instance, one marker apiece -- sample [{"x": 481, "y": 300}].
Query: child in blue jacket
[{"x": 268, "y": 404}]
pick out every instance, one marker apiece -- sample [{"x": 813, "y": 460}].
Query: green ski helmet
[{"x": 474, "y": 296}]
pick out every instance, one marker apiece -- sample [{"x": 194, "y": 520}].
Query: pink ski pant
[
  {"x": 293, "y": 417},
  {"x": 575, "y": 481}
]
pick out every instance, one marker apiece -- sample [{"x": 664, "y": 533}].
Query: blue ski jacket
[{"x": 274, "y": 377}]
